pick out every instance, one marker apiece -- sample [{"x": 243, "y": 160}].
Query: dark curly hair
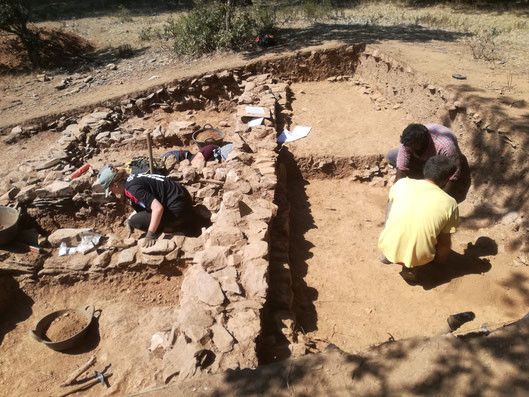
[{"x": 415, "y": 134}]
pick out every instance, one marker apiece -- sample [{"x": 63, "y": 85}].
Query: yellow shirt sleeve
[{"x": 453, "y": 222}]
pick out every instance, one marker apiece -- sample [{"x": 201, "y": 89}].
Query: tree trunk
[{"x": 30, "y": 40}]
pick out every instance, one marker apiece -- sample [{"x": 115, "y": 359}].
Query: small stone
[
  {"x": 111, "y": 66},
  {"x": 222, "y": 339},
  {"x": 62, "y": 84},
  {"x": 126, "y": 257},
  {"x": 161, "y": 247},
  {"x": 43, "y": 77},
  {"x": 255, "y": 250}
]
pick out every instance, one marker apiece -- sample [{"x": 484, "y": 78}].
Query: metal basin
[
  {"x": 8, "y": 224},
  {"x": 207, "y": 136},
  {"x": 39, "y": 333}
]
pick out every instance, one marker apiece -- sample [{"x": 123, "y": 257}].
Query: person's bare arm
[
  {"x": 156, "y": 218},
  {"x": 443, "y": 247}
]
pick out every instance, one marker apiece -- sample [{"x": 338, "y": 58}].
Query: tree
[{"x": 14, "y": 18}]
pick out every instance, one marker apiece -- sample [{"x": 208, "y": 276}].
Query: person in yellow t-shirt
[{"x": 421, "y": 218}]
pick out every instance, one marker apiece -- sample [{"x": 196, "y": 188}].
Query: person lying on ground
[
  {"x": 420, "y": 142},
  {"x": 161, "y": 204},
  {"x": 206, "y": 153},
  {"x": 421, "y": 218}
]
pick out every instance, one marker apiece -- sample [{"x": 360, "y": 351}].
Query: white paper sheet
[
  {"x": 255, "y": 122},
  {"x": 298, "y": 132},
  {"x": 88, "y": 242},
  {"x": 255, "y": 110}
]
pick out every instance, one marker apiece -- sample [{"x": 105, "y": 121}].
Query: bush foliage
[
  {"x": 218, "y": 25},
  {"x": 14, "y": 18}
]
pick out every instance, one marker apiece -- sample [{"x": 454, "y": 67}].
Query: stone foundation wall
[{"x": 225, "y": 289}]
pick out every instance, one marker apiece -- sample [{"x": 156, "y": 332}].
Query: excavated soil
[
  {"x": 66, "y": 326},
  {"x": 344, "y": 295},
  {"x": 133, "y": 308},
  {"x": 344, "y": 120}
]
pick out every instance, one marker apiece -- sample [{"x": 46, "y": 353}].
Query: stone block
[
  {"x": 255, "y": 250},
  {"x": 70, "y": 236},
  {"x": 254, "y": 279},
  {"x": 161, "y": 247},
  {"x": 126, "y": 257},
  {"x": 213, "y": 258},
  {"x": 194, "y": 320},
  {"x": 222, "y": 339},
  {"x": 201, "y": 286},
  {"x": 227, "y": 278}
]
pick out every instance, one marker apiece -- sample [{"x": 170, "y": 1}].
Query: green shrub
[{"x": 218, "y": 26}]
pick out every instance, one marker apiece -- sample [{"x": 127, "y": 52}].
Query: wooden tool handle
[
  {"x": 84, "y": 386},
  {"x": 74, "y": 375}
]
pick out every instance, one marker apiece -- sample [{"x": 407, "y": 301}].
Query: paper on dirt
[{"x": 298, "y": 132}]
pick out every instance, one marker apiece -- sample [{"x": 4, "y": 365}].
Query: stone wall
[{"x": 225, "y": 289}]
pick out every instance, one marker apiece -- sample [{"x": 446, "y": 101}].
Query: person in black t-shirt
[{"x": 160, "y": 202}]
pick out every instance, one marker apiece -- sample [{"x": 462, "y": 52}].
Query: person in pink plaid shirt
[{"x": 418, "y": 143}]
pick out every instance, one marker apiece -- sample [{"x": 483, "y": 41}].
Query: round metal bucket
[
  {"x": 8, "y": 224},
  {"x": 208, "y": 136},
  {"x": 39, "y": 333}
]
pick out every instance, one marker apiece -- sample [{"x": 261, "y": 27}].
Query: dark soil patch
[{"x": 57, "y": 49}]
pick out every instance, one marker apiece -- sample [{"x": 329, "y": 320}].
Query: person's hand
[{"x": 149, "y": 240}]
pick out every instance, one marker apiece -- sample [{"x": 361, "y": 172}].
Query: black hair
[
  {"x": 439, "y": 168},
  {"x": 415, "y": 133}
]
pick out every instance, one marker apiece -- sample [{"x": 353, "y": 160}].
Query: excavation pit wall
[
  {"x": 224, "y": 282},
  {"x": 235, "y": 306}
]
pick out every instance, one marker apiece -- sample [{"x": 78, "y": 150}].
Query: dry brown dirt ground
[
  {"x": 346, "y": 296},
  {"x": 133, "y": 308}
]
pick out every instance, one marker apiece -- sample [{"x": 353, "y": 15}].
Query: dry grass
[
  {"x": 115, "y": 29},
  {"x": 494, "y": 33}
]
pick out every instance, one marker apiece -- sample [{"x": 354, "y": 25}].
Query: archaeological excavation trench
[{"x": 283, "y": 258}]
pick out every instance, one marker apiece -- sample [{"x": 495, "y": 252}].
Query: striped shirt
[{"x": 442, "y": 141}]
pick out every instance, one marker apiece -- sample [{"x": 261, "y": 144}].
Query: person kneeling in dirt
[
  {"x": 420, "y": 218},
  {"x": 420, "y": 142},
  {"x": 160, "y": 203}
]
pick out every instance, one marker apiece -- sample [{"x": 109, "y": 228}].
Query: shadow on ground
[
  {"x": 291, "y": 39},
  {"x": 15, "y": 305},
  {"x": 496, "y": 364},
  {"x": 433, "y": 275},
  {"x": 498, "y": 159},
  {"x": 301, "y": 221}
]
